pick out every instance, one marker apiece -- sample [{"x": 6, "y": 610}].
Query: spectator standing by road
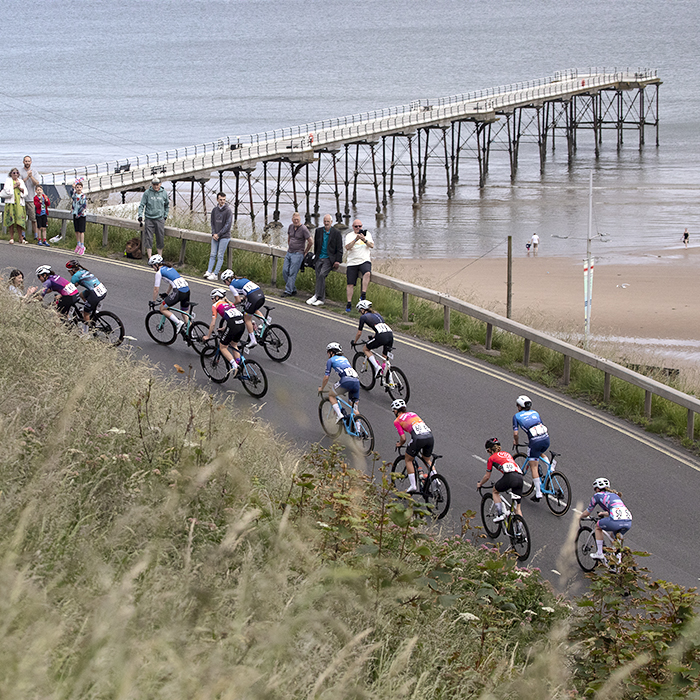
[
  {"x": 298, "y": 245},
  {"x": 31, "y": 180},
  {"x": 358, "y": 243},
  {"x": 154, "y": 207},
  {"x": 41, "y": 205},
  {"x": 14, "y": 194},
  {"x": 221, "y": 222},
  {"x": 328, "y": 249},
  {"x": 79, "y": 207}
]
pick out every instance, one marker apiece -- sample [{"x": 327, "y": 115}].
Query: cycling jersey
[
  {"x": 375, "y": 322},
  {"x": 342, "y": 366},
  {"x": 89, "y": 281},
  {"x": 227, "y": 311},
  {"x": 172, "y": 277},
  {"x": 56, "y": 283},
  {"x": 503, "y": 462},
  {"x": 531, "y": 423},
  {"x": 242, "y": 287},
  {"x": 413, "y": 424},
  {"x": 611, "y": 503}
]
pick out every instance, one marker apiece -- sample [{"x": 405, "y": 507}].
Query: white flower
[
  {"x": 116, "y": 431},
  {"x": 467, "y": 617},
  {"x": 324, "y": 525},
  {"x": 529, "y": 612},
  {"x": 546, "y": 608}
]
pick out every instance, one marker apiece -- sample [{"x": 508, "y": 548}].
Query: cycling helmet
[
  {"x": 524, "y": 402},
  {"x": 363, "y": 305},
  {"x": 334, "y": 348},
  {"x": 601, "y": 483},
  {"x": 73, "y": 265},
  {"x": 218, "y": 293},
  {"x": 398, "y": 404},
  {"x": 227, "y": 275},
  {"x": 44, "y": 270},
  {"x": 155, "y": 260},
  {"x": 492, "y": 442}
]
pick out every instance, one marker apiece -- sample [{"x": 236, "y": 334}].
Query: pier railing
[{"x": 610, "y": 369}]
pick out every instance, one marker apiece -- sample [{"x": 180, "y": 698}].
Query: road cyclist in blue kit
[
  {"x": 178, "y": 292},
  {"x": 94, "y": 292},
  {"x": 530, "y": 423},
  {"x": 253, "y": 298},
  {"x": 347, "y": 383},
  {"x": 618, "y": 519}
]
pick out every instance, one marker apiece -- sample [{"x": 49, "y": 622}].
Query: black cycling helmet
[
  {"x": 73, "y": 265},
  {"x": 492, "y": 442}
]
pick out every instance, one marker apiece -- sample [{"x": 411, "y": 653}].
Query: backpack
[{"x": 133, "y": 249}]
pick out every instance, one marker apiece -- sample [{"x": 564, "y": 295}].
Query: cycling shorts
[
  {"x": 384, "y": 340},
  {"x": 512, "y": 481},
  {"x": 234, "y": 332},
  {"x": 92, "y": 300},
  {"x": 354, "y": 271},
  {"x": 254, "y": 301},
  {"x": 537, "y": 447},
  {"x": 423, "y": 444},
  {"x": 616, "y": 526},
  {"x": 177, "y": 296},
  {"x": 64, "y": 303},
  {"x": 349, "y": 386}
]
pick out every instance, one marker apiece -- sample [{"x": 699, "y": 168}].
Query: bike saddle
[
  {"x": 516, "y": 497},
  {"x": 193, "y": 304}
]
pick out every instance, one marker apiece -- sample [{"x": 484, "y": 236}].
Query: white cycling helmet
[
  {"x": 44, "y": 270},
  {"x": 398, "y": 404},
  {"x": 335, "y": 348},
  {"x": 217, "y": 293},
  {"x": 524, "y": 402},
  {"x": 601, "y": 483},
  {"x": 363, "y": 305},
  {"x": 155, "y": 260},
  {"x": 227, "y": 275}
]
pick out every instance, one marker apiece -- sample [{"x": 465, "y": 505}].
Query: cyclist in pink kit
[
  {"x": 421, "y": 439},
  {"x": 618, "y": 518}
]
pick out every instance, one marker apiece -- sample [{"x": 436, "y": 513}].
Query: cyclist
[
  {"x": 232, "y": 319},
  {"x": 618, "y": 519},
  {"x": 68, "y": 294},
  {"x": 421, "y": 439},
  {"x": 94, "y": 292},
  {"x": 538, "y": 439},
  {"x": 178, "y": 292},
  {"x": 250, "y": 294},
  {"x": 348, "y": 381},
  {"x": 512, "y": 476},
  {"x": 383, "y": 335}
]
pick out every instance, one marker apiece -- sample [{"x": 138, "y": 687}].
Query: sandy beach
[{"x": 643, "y": 305}]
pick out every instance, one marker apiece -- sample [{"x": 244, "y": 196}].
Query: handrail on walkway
[{"x": 449, "y": 303}]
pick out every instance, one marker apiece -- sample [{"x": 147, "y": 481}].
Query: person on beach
[
  {"x": 535, "y": 240},
  {"x": 358, "y": 243},
  {"x": 221, "y": 222},
  {"x": 154, "y": 206},
  {"x": 41, "y": 204},
  {"x": 298, "y": 245},
  {"x": 686, "y": 238},
  {"x": 79, "y": 207},
  {"x": 31, "y": 181},
  {"x": 328, "y": 251},
  {"x": 14, "y": 193}
]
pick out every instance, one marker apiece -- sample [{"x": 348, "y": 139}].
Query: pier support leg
[
  {"x": 413, "y": 171},
  {"x": 641, "y": 118},
  {"x": 307, "y": 214},
  {"x": 384, "y": 199},
  {"x": 355, "y": 173},
  {"x": 250, "y": 198},
  {"x": 294, "y": 169},
  {"x": 276, "y": 214},
  {"x": 424, "y": 176},
  {"x": 338, "y": 215},
  {"x": 318, "y": 187},
  {"x": 377, "y": 208},
  {"x": 265, "y": 199},
  {"x": 447, "y": 164},
  {"x": 237, "y": 199},
  {"x": 393, "y": 163}
]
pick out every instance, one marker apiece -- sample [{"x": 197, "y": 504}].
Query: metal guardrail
[
  {"x": 449, "y": 303},
  {"x": 231, "y": 151}
]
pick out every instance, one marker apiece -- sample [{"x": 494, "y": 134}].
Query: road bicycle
[
  {"x": 355, "y": 424},
  {"x": 586, "y": 545},
  {"x": 555, "y": 485},
  {"x": 103, "y": 325},
  {"x": 271, "y": 336},
  {"x": 514, "y": 525},
  {"x": 218, "y": 369},
  {"x": 433, "y": 487},
  {"x": 391, "y": 378},
  {"x": 162, "y": 330}
]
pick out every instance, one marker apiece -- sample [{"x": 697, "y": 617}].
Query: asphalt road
[{"x": 465, "y": 401}]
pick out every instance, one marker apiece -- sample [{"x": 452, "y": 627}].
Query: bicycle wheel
[
  {"x": 277, "y": 343},
  {"x": 488, "y": 513},
  {"x": 528, "y": 486},
  {"x": 365, "y": 370},
  {"x": 253, "y": 378},
  {"x": 198, "y": 329},
  {"x": 585, "y": 546},
  {"x": 328, "y": 417},
  {"x": 108, "y": 326},
  {"x": 363, "y": 434},
  {"x": 436, "y": 492},
  {"x": 519, "y": 534},
  {"x": 160, "y": 328},
  {"x": 396, "y": 385},
  {"x": 558, "y": 493},
  {"x": 215, "y": 365}
]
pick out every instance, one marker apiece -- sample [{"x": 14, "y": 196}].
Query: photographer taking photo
[{"x": 358, "y": 243}]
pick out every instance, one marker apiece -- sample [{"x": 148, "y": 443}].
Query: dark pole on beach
[{"x": 509, "y": 293}]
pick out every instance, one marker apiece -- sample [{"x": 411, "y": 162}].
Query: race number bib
[
  {"x": 179, "y": 283},
  {"x": 382, "y": 328},
  {"x": 70, "y": 288},
  {"x": 233, "y": 313},
  {"x": 350, "y": 372},
  {"x": 100, "y": 290},
  {"x": 538, "y": 430},
  {"x": 420, "y": 429},
  {"x": 620, "y": 513},
  {"x": 249, "y": 287}
]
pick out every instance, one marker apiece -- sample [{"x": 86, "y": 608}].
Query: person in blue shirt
[
  {"x": 253, "y": 298},
  {"x": 348, "y": 383},
  {"x": 179, "y": 290},
  {"x": 538, "y": 438},
  {"x": 94, "y": 292},
  {"x": 618, "y": 519}
]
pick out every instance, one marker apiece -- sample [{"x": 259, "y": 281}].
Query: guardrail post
[
  {"x": 606, "y": 388},
  {"x": 647, "y": 403},
  {"x": 446, "y": 318},
  {"x": 405, "y": 307},
  {"x": 105, "y": 239},
  {"x": 526, "y": 352},
  {"x": 567, "y": 370},
  {"x": 229, "y": 257},
  {"x": 183, "y": 248},
  {"x": 274, "y": 270},
  {"x": 690, "y": 429},
  {"x": 64, "y": 227},
  {"x": 489, "y": 335}
]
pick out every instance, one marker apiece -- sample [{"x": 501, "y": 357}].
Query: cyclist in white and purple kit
[
  {"x": 538, "y": 439},
  {"x": 67, "y": 291},
  {"x": 348, "y": 380},
  {"x": 250, "y": 294},
  {"x": 618, "y": 519}
]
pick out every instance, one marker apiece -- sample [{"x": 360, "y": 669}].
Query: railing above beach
[{"x": 651, "y": 387}]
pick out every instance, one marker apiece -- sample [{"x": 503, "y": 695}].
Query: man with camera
[
  {"x": 358, "y": 243},
  {"x": 328, "y": 252}
]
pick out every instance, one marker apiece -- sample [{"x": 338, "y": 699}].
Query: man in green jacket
[{"x": 154, "y": 206}]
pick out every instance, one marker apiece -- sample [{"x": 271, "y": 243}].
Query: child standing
[
  {"x": 41, "y": 206},
  {"x": 79, "y": 216}
]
